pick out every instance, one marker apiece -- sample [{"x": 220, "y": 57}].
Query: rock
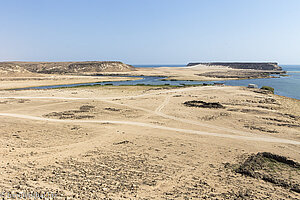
[
  {"x": 203, "y": 104},
  {"x": 252, "y": 86},
  {"x": 123, "y": 142},
  {"x": 65, "y": 67},
  {"x": 243, "y": 65}
]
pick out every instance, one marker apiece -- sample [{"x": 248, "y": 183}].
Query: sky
[{"x": 150, "y": 31}]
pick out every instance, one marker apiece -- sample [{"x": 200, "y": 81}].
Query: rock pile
[{"x": 203, "y": 104}]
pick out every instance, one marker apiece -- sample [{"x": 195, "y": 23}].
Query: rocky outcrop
[
  {"x": 242, "y": 65},
  {"x": 70, "y": 67},
  {"x": 13, "y": 70},
  {"x": 203, "y": 104},
  {"x": 240, "y": 74}
]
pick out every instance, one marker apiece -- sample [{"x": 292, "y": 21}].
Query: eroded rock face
[
  {"x": 70, "y": 67},
  {"x": 243, "y": 65}
]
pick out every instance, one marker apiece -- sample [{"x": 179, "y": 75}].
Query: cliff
[
  {"x": 243, "y": 65},
  {"x": 68, "y": 67}
]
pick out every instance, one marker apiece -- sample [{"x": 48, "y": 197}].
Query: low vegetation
[
  {"x": 268, "y": 88},
  {"x": 272, "y": 168}
]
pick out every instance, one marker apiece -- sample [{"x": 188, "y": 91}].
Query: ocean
[{"x": 285, "y": 85}]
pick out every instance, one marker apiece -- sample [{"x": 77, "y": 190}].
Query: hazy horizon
[
  {"x": 154, "y": 64},
  {"x": 151, "y": 32}
]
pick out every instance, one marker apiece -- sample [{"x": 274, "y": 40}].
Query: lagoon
[{"x": 284, "y": 85}]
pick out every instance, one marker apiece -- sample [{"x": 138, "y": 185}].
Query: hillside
[
  {"x": 13, "y": 70},
  {"x": 242, "y": 65},
  {"x": 66, "y": 67}
]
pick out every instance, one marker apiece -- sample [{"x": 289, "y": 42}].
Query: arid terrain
[
  {"x": 149, "y": 100},
  {"x": 12, "y": 77},
  {"x": 143, "y": 142},
  {"x": 32, "y": 74},
  {"x": 55, "y": 79},
  {"x": 11, "y": 68},
  {"x": 49, "y": 73},
  {"x": 202, "y": 72}
]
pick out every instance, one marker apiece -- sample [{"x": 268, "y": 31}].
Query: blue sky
[{"x": 150, "y": 31}]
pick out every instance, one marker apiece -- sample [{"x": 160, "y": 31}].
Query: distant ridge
[
  {"x": 242, "y": 65},
  {"x": 67, "y": 67}
]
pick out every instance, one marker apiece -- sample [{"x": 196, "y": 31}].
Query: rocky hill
[
  {"x": 243, "y": 65},
  {"x": 14, "y": 70},
  {"x": 67, "y": 67}
]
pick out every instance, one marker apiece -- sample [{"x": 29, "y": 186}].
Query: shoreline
[
  {"x": 147, "y": 86},
  {"x": 8, "y": 84},
  {"x": 164, "y": 81}
]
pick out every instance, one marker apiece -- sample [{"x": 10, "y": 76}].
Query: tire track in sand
[{"x": 253, "y": 138}]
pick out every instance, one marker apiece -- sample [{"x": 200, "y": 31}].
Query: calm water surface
[{"x": 286, "y": 86}]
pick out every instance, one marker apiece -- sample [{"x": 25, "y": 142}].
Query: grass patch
[{"x": 268, "y": 88}]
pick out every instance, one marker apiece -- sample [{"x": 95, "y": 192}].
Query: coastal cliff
[
  {"x": 243, "y": 65},
  {"x": 67, "y": 67}
]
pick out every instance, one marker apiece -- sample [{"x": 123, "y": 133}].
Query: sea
[{"x": 284, "y": 85}]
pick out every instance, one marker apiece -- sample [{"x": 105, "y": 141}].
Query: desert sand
[
  {"x": 199, "y": 73},
  {"x": 138, "y": 142},
  {"x": 54, "y": 79}
]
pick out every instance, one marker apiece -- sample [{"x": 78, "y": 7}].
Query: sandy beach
[{"x": 201, "y": 73}]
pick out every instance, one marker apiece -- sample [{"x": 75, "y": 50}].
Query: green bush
[{"x": 268, "y": 88}]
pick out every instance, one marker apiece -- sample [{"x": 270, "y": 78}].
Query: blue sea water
[{"x": 284, "y": 85}]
